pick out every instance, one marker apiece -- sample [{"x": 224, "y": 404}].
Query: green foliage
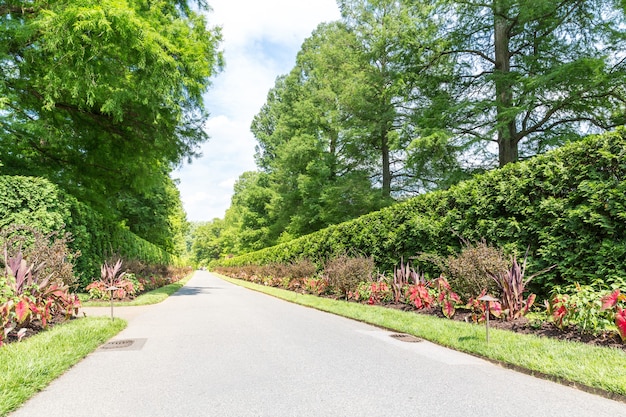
[
  {"x": 45, "y": 208},
  {"x": 567, "y": 205},
  {"x": 588, "y": 307},
  {"x": 103, "y": 97}
]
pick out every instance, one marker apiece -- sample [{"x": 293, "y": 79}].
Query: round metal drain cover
[
  {"x": 118, "y": 344},
  {"x": 406, "y": 338}
]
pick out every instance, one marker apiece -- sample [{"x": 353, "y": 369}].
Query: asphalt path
[{"x": 216, "y": 349}]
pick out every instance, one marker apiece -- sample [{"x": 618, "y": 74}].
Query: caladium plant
[
  {"x": 620, "y": 322},
  {"x": 447, "y": 298},
  {"x": 611, "y": 301},
  {"x": 420, "y": 296},
  {"x": 479, "y": 308}
]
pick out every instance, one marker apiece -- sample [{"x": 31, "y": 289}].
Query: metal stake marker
[
  {"x": 487, "y": 299},
  {"x": 111, "y": 289}
]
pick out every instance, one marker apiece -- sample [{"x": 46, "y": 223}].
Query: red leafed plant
[
  {"x": 479, "y": 308},
  {"x": 620, "y": 322},
  {"x": 419, "y": 295},
  {"x": 512, "y": 284},
  {"x": 404, "y": 276},
  {"x": 611, "y": 301},
  {"x": 112, "y": 276},
  {"x": 447, "y": 298}
]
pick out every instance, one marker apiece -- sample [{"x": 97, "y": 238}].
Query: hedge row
[
  {"x": 568, "y": 206},
  {"x": 38, "y": 203}
]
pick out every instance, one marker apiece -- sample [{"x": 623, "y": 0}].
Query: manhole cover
[
  {"x": 118, "y": 344},
  {"x": 406, "y": 338},
  {"x": 126, "y": 344}
]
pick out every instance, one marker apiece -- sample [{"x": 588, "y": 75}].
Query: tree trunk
[
  {"x": 506, "y": 128},
  {"x": 386, "y": 168}
]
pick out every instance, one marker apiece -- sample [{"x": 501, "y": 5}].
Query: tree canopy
[{"x": 104, "y": 97}]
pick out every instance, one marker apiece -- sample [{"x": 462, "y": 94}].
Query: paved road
[{"x": 215, "y": 349}]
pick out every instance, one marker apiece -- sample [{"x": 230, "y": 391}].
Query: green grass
[
  {"x": 30, "y": 365},
  {"x": 151, "y": 297},
  {"x": 589, "y": 367}
]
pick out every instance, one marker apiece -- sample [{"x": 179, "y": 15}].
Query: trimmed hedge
[
  {"x": 568, "y": 206},
  {"x": 38, "y": 203}
]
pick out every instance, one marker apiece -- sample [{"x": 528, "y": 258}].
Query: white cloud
[{"x": 261, "y": 40}]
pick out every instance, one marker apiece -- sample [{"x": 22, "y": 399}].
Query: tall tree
[
  {"x": 103, "y": 96},
  {"x": 304, "y": 144},
  {"x": 530, "y": 75}
]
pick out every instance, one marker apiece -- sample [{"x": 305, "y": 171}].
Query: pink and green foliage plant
[
  {"x": 377, "y": 292},
  {"x": 478, "y": 308},
  {"x": 404, "y": 276},
  {"x": 316, "y": 286},
  {"x": 612, "y": 302},
  {"x": 29, "y": 298},
  {"x": 114, "y": 282},
  {"x": 588, "y": 308},
  {"x": 512, "y": 285},
  {"x": 558, "y": 309},
  {"x": 448, "y": 299},
  {"x": 419, "y": 295}
]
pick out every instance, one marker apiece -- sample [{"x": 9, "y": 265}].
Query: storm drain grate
[
  {"x": 406, "y": 338},
  {"x": 125, "y": 344}
]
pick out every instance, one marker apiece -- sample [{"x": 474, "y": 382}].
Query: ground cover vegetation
[
  {"x": 580, "y": 364},
  {"x": 398, "y": 98}
]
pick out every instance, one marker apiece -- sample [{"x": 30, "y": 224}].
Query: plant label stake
[
  {"x": 111, "y": 289},
  {"x": 487, "y": 299}
]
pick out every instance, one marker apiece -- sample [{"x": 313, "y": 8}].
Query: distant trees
[{"x": 104, "y": 98}]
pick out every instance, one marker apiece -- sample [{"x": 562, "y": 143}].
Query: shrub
[
  {"x": 469, "y": 271},
  {"x": 50, "y": 251},
  {"x": 345, "y": 273}
]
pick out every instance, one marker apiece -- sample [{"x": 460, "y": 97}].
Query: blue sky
[{"x": 261, "y": 40}]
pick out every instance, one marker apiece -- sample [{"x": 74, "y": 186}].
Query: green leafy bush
[{"x": 41, "y": 205}]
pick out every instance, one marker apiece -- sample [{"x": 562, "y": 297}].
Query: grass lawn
[
  {"x": 151, "y": 297},
  {"x": 597, "y": 369},
  {"x": 30, "y": 365}
]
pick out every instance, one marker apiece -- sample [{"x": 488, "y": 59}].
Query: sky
[{"x": 261, "y": 41}]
